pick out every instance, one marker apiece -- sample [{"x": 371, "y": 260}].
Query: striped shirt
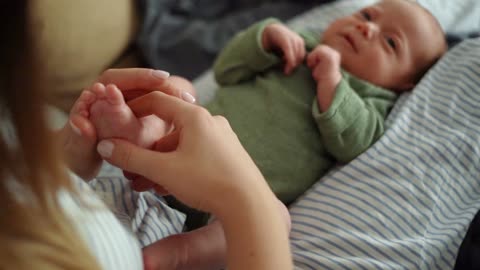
[{"x": 113, "y": 245}]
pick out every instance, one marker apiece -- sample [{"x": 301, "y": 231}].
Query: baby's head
[{"x": 391, "y": 44}]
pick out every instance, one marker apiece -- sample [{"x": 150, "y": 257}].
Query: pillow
[
  {"x": 408, "y": 200},
  {"x": 459, "y": 16}
]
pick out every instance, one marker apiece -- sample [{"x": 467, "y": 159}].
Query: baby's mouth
[{"x": 348, "y": 38}]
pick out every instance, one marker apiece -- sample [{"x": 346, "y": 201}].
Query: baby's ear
[{"x": 405, "y": 87}]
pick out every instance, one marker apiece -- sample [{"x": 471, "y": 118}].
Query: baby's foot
[
  {"x": 113, "y": 118},
  {"x": 78, "y": 138}
]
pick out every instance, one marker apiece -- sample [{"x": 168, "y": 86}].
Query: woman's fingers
[
  {"x": 161, "y": 190},
  {"x": 133, "y": 158},
  {"x": 141, "y": 184},
  {"x": 141, "y": 165},
  {"x": 133, "y": 78},
  {"x": 135, "y": 82},
  {"x": 166, "y": 107},
  {"x": 167, "y": 143}
]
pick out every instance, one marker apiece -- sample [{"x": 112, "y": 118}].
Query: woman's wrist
[{"x": 255, "y": 230}]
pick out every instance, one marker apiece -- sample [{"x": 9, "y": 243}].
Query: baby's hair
[{"x": 439, "y": 29}]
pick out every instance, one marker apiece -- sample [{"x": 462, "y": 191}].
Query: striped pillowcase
[{"x": 405, "y": 203}]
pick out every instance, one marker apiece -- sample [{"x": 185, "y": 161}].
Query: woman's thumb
[{"x": 127, "y": 156}]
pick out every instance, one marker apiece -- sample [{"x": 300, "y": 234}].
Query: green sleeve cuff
[
  {"x": 257, "y": 57},
  {"x": 342, "y": 112}
]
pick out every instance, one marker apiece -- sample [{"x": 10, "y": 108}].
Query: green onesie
[{"x": 277, "y": 119}]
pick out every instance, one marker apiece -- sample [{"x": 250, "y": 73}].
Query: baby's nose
[{"x": 367, "y": 29}]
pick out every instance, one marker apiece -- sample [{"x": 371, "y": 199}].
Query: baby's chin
[
  {"x": 336, "y": 43},
  {"x": 359, "y": 72}
]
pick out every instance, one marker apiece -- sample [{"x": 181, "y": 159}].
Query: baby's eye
[
  {"x": 366, "y": 15},
  {"x": 391, "y": 42}
]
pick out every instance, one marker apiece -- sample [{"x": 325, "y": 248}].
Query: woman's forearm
[{"x": 256, "y": 234}]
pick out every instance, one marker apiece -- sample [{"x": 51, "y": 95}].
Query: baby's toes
[
  {"x": 99, "y": 90},
  {"x": 83, "y": 103},
  {"x": 114, "y": 95},
  {"x": 83, "y": 127}
]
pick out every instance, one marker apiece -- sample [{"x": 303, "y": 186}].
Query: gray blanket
[{"x": 184, "y": 36}]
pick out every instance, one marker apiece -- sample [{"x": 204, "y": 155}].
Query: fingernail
[
  {"x": 188, "y": 97},
  {"x": 161, "y": 74},
  {"x": 105, "y": 148},
  {"x": 75, "y": 129}
]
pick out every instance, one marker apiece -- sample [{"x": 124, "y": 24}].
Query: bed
[{"x": 405, "y": 203}]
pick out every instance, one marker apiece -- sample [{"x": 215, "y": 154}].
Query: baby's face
[{"x": 387, "y": 44}]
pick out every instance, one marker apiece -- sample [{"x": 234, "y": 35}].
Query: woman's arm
[{"x": 206, "y": 167}]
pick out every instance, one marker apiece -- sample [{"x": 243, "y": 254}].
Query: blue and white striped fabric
[
  {"x": 112, "y": 245},
  {"x": 144, "y": 213},
  {"x": 405, "y": 203}
]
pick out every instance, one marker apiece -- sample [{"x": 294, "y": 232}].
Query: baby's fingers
[
  {"x": 83, "y": 127},
  {"x": 317, "y": 73},
  {"x": 296, "y": 54},
  {"x": 312, "y": 60},
  {"x": 290, "y": 58},
  {"x": 301, "y": 52}
]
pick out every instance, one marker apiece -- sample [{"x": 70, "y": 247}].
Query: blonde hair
[{"x": 34, "y": 231}]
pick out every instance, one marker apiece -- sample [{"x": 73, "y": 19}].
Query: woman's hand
[
  {"x": 79, "y": 137},
  {"x": 201, "y": 162},
  {"x": 277, "y": 37}
]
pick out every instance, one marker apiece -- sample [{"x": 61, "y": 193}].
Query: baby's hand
[
  {"x": 277, "y": 37},
  {"x": 325, "y": 65}
]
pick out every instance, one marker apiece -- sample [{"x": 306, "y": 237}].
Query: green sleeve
[
  {"x": 243, "y": 57},
  {"x": 355, "y": 119}
]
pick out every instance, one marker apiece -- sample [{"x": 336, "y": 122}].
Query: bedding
[
  {"x": 170, "y": 29},
  {"x": 405, "y": 203}
]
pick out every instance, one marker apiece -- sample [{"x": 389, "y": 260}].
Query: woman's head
[
  {"x": 34, "y": 231},
  {"x": 390, "y": 44}
]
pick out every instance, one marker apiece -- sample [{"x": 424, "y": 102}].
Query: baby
[
  {"x": 297, "y": 114},
  {"x": 300, "y": 103}
]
